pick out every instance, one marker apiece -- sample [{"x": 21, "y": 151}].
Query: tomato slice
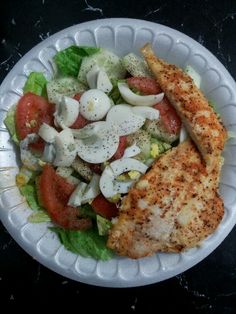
[
  {"x": 31, "y": 111},
  {"x": 80, "y": 121},
  {"x": 121, "y": 148},
  {"x": 104, "y": 208},
  {"x": 169, "y": 117},
  {"x": 146, "y": 85},
  {"x": 54, "y": 193}
]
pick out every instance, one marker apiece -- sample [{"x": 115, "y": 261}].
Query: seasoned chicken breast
[
  {"x": 205, "y": 128},
  {"x": 176, "y": 204},
  {"x": 173, "y": 207}
]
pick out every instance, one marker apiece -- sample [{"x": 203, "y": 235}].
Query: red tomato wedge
[
  {"x": 146, "y": 85},
  {"x": 104, "y": 208},
  {"x": 31, "y": 111},
  {"x": 80, "y": 121},
  {"x": 121, "y": 148},
  {"x": 149, "y": 86},
  {"x": 171, "y": 121},
  {"x": 54, "y": 193}
]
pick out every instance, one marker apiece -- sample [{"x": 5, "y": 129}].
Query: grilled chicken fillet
[
  {"x": 173, "y": 207},
  {"x": 205, "y": 128},
  {"x": 176, "y": 204}
]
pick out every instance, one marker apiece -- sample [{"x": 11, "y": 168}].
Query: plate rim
[{"x": 91, "y": 279}]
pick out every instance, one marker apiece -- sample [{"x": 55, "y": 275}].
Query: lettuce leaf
[
  {"x": 115, "y": 93},
  {"x": 36, "y": 83},
  {"x": 29, "y": 191},
  {"x": 9, "y": 122},
  {"x": 39, "y": 216},
  {"x": 86, "y": 243},
  {"x": 69, "y": 60},
  {"x": 104, "y": 225}
]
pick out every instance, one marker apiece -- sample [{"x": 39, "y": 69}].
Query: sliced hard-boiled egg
[
  {"x": 103, "y": 82},
  {"x": 76, "y": 197},
  {"x": 138, "y": 100},
  {"x": 109, "y": 186},
  {"x": 125, "y": 119},
  {"x": 65, "y": 148},
  {"x": 131, "y": 151},
  {"x": 92, "y": 76},
  {"x": 101, "y": 146},
  {"x": 92, "y": 190},
  {"x": 67, "y": 111},
  {"x": 49, "y": 153},
  {"x": 98, "y": 79},
  {"x": 47, "y": 133},
  {"x": 146, "y": 112},
  {"x": 87, "y": 131},
  {"x": 94, "y": 104},
  {"x": 27, "y": 157}
]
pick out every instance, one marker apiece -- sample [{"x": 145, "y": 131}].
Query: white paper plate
[{"x": 121, "y": 36}]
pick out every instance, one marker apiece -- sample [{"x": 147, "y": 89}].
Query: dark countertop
[{"x": 210, "y": 286}]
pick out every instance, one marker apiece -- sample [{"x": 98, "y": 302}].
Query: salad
[{"x": 85, "y": 137}]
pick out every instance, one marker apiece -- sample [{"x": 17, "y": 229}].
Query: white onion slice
[
  {"x": 65, "y": 148},
  {"x": 138, "y": 100},
  {"x": 92, "y": 189},
  {"x": 47, "y": 133}
]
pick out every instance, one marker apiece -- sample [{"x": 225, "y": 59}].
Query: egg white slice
[
  {"x": 67, "y": 111},
  {"x": 126, "y": 121},
  {"x": 94, "y": 104},
  {"x": 99, "y": 147},
  {"x": 108, "y": 184}
]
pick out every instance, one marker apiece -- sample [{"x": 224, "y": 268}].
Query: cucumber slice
[
  {"x": 136, "y": 66},
  {"x": 107, "y": 61},
  {"x": 67, "y": 86}
]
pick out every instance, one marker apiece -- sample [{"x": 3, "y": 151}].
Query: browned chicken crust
[
  {"x": 173, "y": 207},
  {"x": 176, "y": 204},
  {"x": 199, "y": 118}
]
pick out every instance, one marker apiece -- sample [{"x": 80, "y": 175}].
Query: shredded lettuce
[
  {"x": 213, "y": 106},
  {"x": 36, "y": 83},
  {"x": 9, "y": 122},
  {"x": 86, "y": 210},
  {"x": 115, "y": 93},
  {"x": 29, "y": 191},
  {"x": 104, "y": 225},
  {"x": 69, "y": 60},
  {"x": 86, "y": 243},
  {"x": 162, "y": 146},
  {"x": 39, "y": 216}
]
